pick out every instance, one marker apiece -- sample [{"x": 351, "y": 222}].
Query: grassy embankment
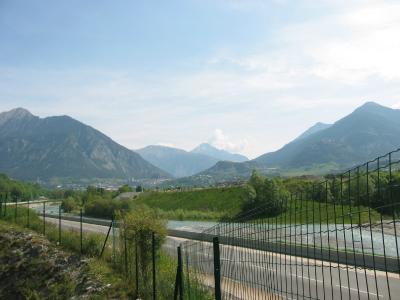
[
  {"x": 203, "y": 204},
  {"x": 217, "y": 203},
  {"x": 108, "y": 271}
]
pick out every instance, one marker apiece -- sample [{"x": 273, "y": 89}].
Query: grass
[
  {"x": 105, "y": 269},
  {"x": 204, "y": 204},
  {"x": 309, "y": 212},
  {"x": 217, "y": 203}
]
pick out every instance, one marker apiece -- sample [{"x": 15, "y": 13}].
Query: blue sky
[{"x": 246, "y": 75}]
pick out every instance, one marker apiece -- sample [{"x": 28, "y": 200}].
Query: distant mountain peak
[
  {"x": 177, "y": 162},
  {"x": 220, "y": 154},
  {"x": 18, "y": 112},
  {"x": 204, "y": 146},
  {"x": 64, "y": 148},
  {"x": 371, "y": 106},
  {"x": 313, "y": 129}
]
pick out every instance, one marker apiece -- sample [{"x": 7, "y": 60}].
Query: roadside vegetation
[
  {"x": 33, "y": 268},
  {"x": 114, "y": 270},
  {"x": 319, "y": 197},
  {"x": 202, "y": 204},
  {"x": 15, "y": 189}
]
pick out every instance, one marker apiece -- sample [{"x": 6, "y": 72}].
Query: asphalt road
[{"x": 254, "y": 274}]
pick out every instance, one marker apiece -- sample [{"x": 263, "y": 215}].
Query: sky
[{"x": 247, "y": 76}]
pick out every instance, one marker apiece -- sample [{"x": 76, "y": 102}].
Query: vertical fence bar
[
  {"x": 329, "y": 237},
  {"x": 358, "y": 196},
  {"x": 137, "y": 269},
  {"x": 188, "y": 277},
  {"x": 27, "y": 213},
  {"x": 16, "y": 210},
  {"x": 369, "y": 200},
  {"x": 179, "y": 277},
  {"x": 44, "y": 217},
  {"x": 105, "y": 241},
  {"x": 153, "y": 251},
  {"x": 394, "y": 210},
  {"x": 5, "y": 205},
  {"x": 81, "y": 230},
  {"x": 217, "y": 268},
  {"x": 125, "y": 252},
  {"x": 382, "y": 231},
  {"x": 59, "y": 225},
  {"x": 113, "y": 241}
]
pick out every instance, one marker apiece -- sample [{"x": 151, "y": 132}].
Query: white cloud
[
  {"x": 222, "y": 141},
  {"x": 166, "y": 144},
  {"x": 396, "y": 106},
  {"x": 318, "y": 69}
]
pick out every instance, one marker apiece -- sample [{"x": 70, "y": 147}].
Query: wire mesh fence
[
  {"x": 132, "y": 252},
  {"x": 337, "y": 239}
]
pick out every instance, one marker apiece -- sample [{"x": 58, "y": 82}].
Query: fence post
[
  {"x": 217, "y": 269},
  {"x": 179, "y": 277},
  {"x": 126, "y": 253},
  {"x": 5, "y": 205},
  {"x": 113, "y": 241},
  {"x": 15, "y": 211},
  {"x": 80, "y": 219},
  {"x": 137, "y": 269},
  {"x": 105, "y": 241},
  {"x": 59, "y": 225},
  {"x": 27, "y": 213},
  {"x": 180, "y": 268},
  {"x": 44, "y": 217},
  {"x": 153, "y": 248}
]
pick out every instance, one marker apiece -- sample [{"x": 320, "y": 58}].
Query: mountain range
[
  {"x": 60, "y": 147},
  {"x": 181, "y": 163},
  {"x": 369, "y": 131},
  {"x": 219, "y": 154}
]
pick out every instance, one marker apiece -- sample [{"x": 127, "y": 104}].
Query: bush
[
  {"x": 136, "y": 229},
  {"x": 70, "y": 204},
  {"x": 125, "y": 189},
  {"x": 105, "y": 208},
  {"x": 266, "y": 193}
]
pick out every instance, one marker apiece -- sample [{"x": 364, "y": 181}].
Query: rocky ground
[{"x": 32, "y": 268}]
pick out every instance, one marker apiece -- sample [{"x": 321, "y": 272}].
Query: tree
[
  {"x": 268, "y": 195},
  {"x": 125, "y": 189},
  {"x": 69, "y": 204}
]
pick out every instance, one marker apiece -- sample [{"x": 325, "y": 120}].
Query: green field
[
  {"x": 218, "y": 203},
  {"x": 309, "y": 212},
  {"x": 202, "y": 204}
]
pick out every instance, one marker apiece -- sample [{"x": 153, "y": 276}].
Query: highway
[{"x": 255, "y": 274}]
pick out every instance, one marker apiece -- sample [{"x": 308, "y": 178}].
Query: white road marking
[{"x": 364, "y": 292}]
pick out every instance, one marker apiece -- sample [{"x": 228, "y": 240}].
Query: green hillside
[
  {"x": 197, "y": 204},
  {"x": 217, "y": 203}
]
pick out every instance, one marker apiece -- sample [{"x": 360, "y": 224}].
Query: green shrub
[
  {"x": 267, "y": 193},
  {"x": 69, "y": 204},
  {"x": 136, "y": 230},
  {"x": 105, "y": 208}
]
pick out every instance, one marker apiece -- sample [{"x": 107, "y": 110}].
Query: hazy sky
[{"x": 246, "y": 75}]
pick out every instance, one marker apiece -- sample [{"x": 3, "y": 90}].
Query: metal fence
[
  {"x": 337, "y": 239},
  {"x": 111, "y": 240}
]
